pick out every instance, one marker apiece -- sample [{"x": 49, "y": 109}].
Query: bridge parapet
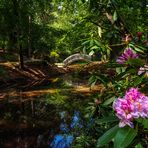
[{"x": 76, "y": 57}]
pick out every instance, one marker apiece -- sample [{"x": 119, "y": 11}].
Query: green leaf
[
  {"x": 103, "y": 79},
  {"x": 115, "y": 16},
  {"x": 109, "y": 101},
  {"x": 124, "y": 137},
  {"x": 145, "y": 123},
  {"x": 91, "y": 53},
  {"x": 138, "y": 50},
  {"x": 84, "y": 49},
  {"x": 126, "y": 73},
  {"x": 107, "y": 136},
  {"x": 135, "y": 62},
  {"x": 86, "y": 42},
  {"x": 93, "y": 84},
  {"x": 94, "y": 47},
  {"x": 92, "y": 79},
  {"x": 91, "y": 42},
  {"x": 100, "y": 32},
  {"x": 139, "y": 145},
  {"x": 106, "y": 119},
  {"x": 137, "y": 81},
  {"x": 97, "y": 43},
  {"x": 120, "y": 70},
  {"x": 140, "y": 47}
]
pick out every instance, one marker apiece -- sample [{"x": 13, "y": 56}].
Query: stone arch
[{"x": 76, "y": 57}]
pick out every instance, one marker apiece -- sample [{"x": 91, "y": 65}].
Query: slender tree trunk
[
  {"x": 29, "y": 37},
  {"x": 21, "y": 57},
  {"x": 18, "y": 31}
]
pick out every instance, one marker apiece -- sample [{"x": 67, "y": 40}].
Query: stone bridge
[{"x": 76, "y": 57}]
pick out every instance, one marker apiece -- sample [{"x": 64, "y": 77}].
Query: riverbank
[{"x": 36, "y": 71}]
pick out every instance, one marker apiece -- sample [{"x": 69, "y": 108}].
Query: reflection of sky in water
[
  {"x": 62, "y": 141},
  {"x": 65, "y": 140}
]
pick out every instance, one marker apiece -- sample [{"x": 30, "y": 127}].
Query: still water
[{"x": 45, "y": 113}]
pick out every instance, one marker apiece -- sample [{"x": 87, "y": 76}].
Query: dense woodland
[
  {"x": 57, "y": 29},
  {"x": 37, "y": 34}
]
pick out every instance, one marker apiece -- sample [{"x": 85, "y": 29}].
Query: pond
[{"x": 45, "y": 113}]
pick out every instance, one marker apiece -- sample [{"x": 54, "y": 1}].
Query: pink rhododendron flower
[
  {"x": 128, "y": 54},
  {"x": 133, "y": 105}
]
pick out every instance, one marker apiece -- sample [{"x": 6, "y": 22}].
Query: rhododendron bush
[
  {"x": 120, "y": 110},
  {"x": 123, "y": 109}
]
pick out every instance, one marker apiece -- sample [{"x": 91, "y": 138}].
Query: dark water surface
[{"x": 45, "y": 113}]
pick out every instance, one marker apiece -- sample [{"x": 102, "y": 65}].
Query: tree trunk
[
  {"x": 29, "y": 37},
  {"x": 21, "y": 57},
  {"x": 18, "y": 32}
]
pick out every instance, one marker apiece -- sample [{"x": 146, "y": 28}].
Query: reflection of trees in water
[
  {"x": 65, "y": 139},
  {"x": 38, "y": 107}
]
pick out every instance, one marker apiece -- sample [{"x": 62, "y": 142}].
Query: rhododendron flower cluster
[
  {"x": 128, "y": 54},
  {"x": 132, "y": 106}
]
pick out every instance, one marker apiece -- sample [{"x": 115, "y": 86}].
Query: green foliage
[
  {"x": 117, "y": 79},
  {"x": 56, "y": 99},
  {"x": 57, "y": 29},
  {"x": 107, "y": 136},
  {"x": 139, "y": 145},
  {"x": 107, "y": 119},
  {"x": 144, "y": 122},
  {"x": 82, "y": 141},
  {"x": 94, "y": 45},
  {"x": 26, "y": 23},
  {"x": 65, "y": 26},
  {"x": 124, "y": 137}
]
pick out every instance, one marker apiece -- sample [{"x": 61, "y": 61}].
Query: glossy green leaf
[
  {"x": 124, "y": 137},
  {"x": 145, "y": 123},
  {"x": 97, "y": 43},
  {"x": 100, "y": 32},
  {"x": 91, "y": 53},
  {"x": 109, "y": 101},
  {"x": 139, "y": 145},
  {"x": 91, "y": 42},
  {"x": 107, "y": 119},
  {"x": 115, "y": 16},
  {"x": 107, "y": 136},
  {"x": 86, "y": 42},
  {"x": 138, "y": 50},
  {"x": 120, "y": 70},
  {"x": 94, "y": 47}
]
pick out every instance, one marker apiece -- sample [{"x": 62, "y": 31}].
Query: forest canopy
[{"x": 37, "y": 28}]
